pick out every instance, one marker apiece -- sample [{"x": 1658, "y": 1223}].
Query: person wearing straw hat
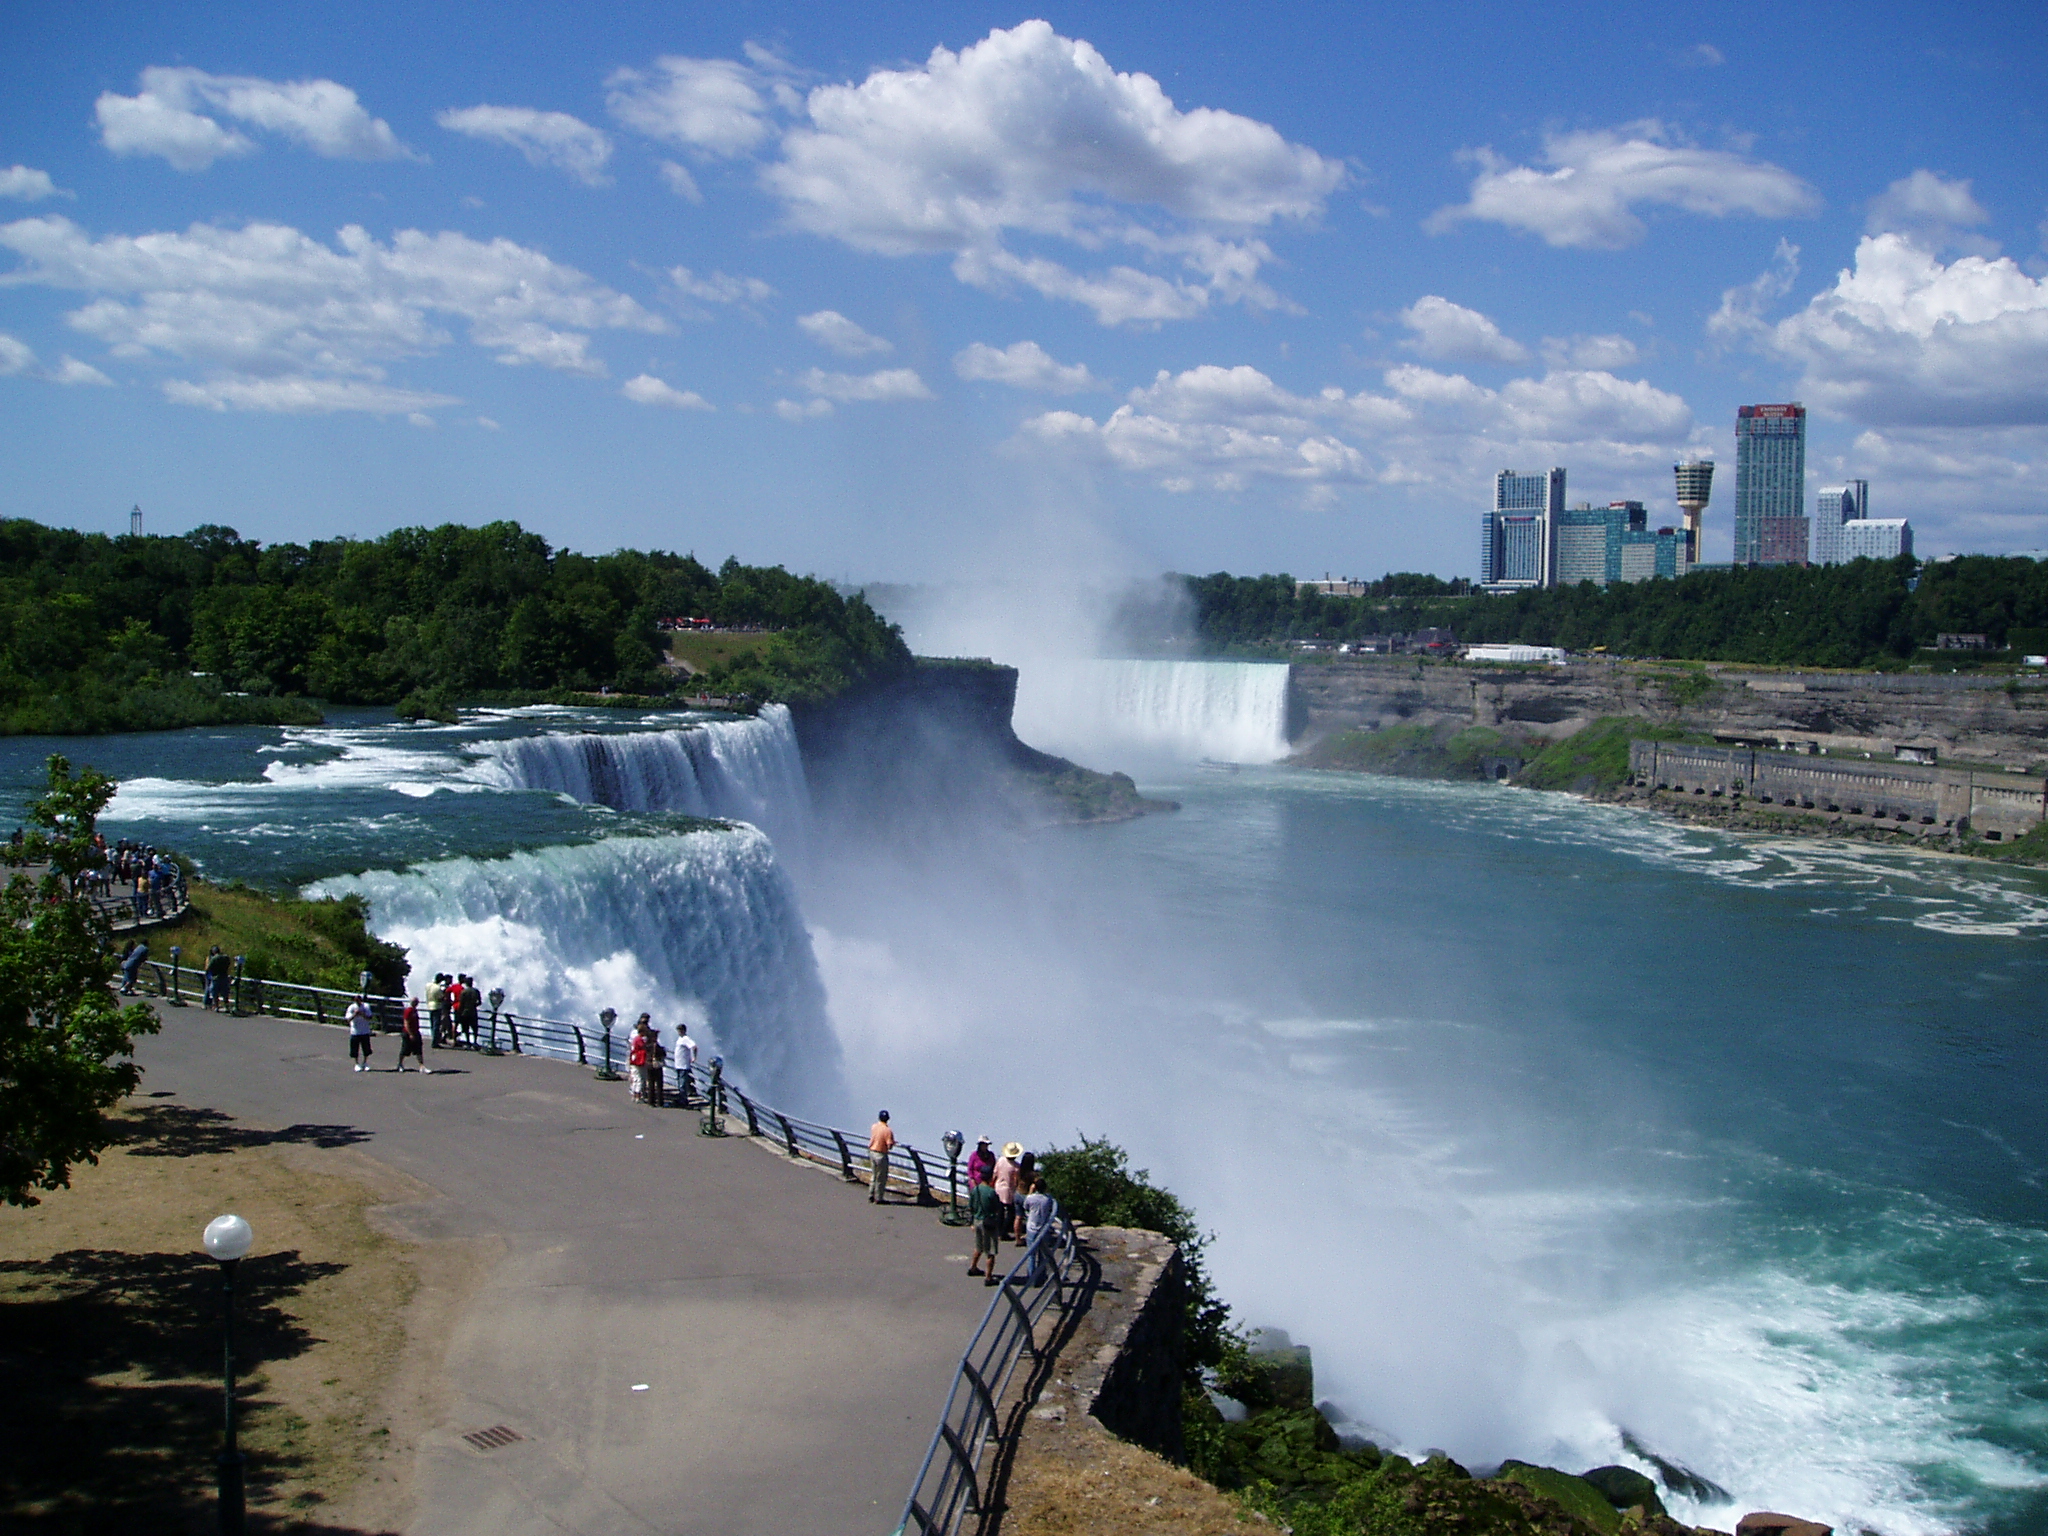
[{"x": 1005, "y": 1181}]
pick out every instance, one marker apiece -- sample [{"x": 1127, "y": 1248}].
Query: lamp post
[
  {"x": 608, "y": 1018},
  {"x": 227, "y": 1239},
  {"x": 953, "y": 1141},
  {"x": 497, "y": 999}
]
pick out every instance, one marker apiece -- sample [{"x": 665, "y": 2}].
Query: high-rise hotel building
[
  {"x": 1518, "y": 538},
  {"x": 1771, "y": 527},
  {"x": 1833, "y": 506}
]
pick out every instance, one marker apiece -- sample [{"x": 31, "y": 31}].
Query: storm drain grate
[{"x": 490, "y": 1439}]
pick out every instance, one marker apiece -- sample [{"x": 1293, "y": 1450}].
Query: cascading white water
[
  {"x": 1226, "y": 711},
  {"x": 702, "y": 925},
  {"x": 744, "y": 770}
]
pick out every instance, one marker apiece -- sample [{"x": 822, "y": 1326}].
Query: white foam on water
[
  {"x": 742, "y": 770},
  {"x": 1184, "y": 711},
  {"x": 703, "y": 926}
]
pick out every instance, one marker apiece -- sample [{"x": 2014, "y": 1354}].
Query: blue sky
[{"x": 916, "y": 292}]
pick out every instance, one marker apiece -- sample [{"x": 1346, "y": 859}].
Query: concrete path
[{"x": 795, "y": 1341}]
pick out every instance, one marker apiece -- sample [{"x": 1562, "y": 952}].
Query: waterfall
[
  {"x": 742, "y": 770},
  {"x": 702, "y": 925},
  {"x": 1228, "y": 711}
]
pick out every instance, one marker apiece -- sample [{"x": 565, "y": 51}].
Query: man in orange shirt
[{"x": 881, "y": 1141}]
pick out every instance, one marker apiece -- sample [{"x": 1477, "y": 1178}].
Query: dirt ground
[
  {"x": 1105, "y": 1486},
  {"x": 110, "y": 1333}
]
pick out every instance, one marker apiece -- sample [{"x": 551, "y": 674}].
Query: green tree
[{"x": 66, "y": 1045}]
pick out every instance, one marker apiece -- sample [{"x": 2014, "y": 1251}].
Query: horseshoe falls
[{"x": 1109, "y": 712}]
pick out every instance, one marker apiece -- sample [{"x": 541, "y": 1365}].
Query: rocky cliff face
[{"x": 1987, "y": 720}]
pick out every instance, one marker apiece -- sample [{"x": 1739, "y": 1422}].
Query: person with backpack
[{"x": 985, "y": 1210}]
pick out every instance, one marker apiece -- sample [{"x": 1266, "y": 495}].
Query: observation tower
[{"x": 1695, "y": 478}]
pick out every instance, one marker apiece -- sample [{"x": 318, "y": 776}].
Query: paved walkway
[{"x": 796, "y": 1342}]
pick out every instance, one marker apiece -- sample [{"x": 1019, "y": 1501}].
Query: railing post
[
  {"x": 845, "y": 1158},
  {"x": 319, "y": 1008},
  {"x": 788, "y": 1134},
  {"x": 924, "y": 1186},
  {"x": 581, "y": 1059},
  {"x": 753, "y": 1121},
  {"x": 512, "y": 1024}
]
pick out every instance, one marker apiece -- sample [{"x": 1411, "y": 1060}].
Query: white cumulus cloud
[
  {"x": 713, "y": 107},
  {"x": 1741, "y": 315},
  {"x": 29, "y": 186},
  {"x": 70, "y": 370},
  {"x": 1931, "y": 210},
  {"x": 1023, "y": 365},
  {"x": 648, "y": 390},
  {"x": 16, "y": 355},
  {"x": 1590, "y": 184},
  {"x": 1225, "y": 428},
  {"x": 829, "y": 328},
  {"x": 1608, "y": 351},
  {"x": 1027, "y": 134},
  {"x": 546, "y": 139},
  {"x": 719, "y": 288},
  {"x": 791, "y": 410},
  {"x": 1452, "y": 333},
  {"x": 677, "y": 179},
  {"x": 177, "y": 115},
  {"x": 1903, "y": 340},
  {"x": 887, "y": 384},
  {"x": 293, "y": 324}
]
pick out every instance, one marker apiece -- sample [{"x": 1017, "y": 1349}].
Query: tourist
[
  {"x": 131, "y": 965},
  {"x": 454, "y": 1008},
  {"x": 1038, "y": 1209},
  {"x": 437, "y": 1009},
  {"x": 409, "y": 1042},
  {"x": 686, "y": 1062},
  {"x": 1027, "y": 1171},
  {"x": 980, "y": 1161},
  {"x": 466, "y": 1009},
  {"x": 1006, "y": 1184},
  {"x": 881, "y": 1142},
  {"x": 216, "y": 977},
  {"x": 359, "y": 1024},
  {"x": 636, "y": 1061},
  {"x": 986, "y": 1212}
]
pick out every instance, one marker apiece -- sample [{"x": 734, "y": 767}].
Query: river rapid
[{"x": 1554, "y": 1128}]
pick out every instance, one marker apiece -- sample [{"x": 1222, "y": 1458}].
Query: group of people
[
  {"x": 453, "y": 1002},
  {"x": 155, "y": 882},
  {"x": 646, "y": 1060},
  {"x": 1007, "y": 1198}
]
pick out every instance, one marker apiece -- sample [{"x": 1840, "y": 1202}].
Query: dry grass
[
  {"x": 1111, "y": 1487},
  {"x": 110, "y": 1333}
]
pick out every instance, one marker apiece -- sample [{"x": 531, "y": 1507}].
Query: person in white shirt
[
  {"x": 683, "y": 1059},
  {"x": 360, "y": 1021}
]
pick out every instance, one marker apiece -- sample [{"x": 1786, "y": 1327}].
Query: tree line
[
  {"x": 1865, "y": 613},
  {"x": 135, "y": 632}
]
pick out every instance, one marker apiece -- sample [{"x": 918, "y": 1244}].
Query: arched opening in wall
[{"x": 1500, "y": 773}]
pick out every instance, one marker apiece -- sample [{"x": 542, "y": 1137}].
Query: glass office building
[
  {"x": 1516, "y": 539},
  {"x": 1771, "y": 527}
]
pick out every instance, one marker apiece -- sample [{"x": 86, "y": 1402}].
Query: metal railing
[{"x": 956, "y": 1478}]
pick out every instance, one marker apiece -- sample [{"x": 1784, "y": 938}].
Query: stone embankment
[{"x": 1995, "y": 721}]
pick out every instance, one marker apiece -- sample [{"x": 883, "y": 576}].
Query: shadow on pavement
[
  {"x": 110, "y": 1419},
  {"x": 174, "y": 1130}
]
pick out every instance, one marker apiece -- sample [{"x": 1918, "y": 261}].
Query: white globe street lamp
[{"x": 227, "y": 1239}]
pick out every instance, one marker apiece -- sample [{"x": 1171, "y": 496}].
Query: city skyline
[{"x": 935, "y": 293}]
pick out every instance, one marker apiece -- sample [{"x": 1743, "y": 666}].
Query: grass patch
[
  {"x": 323, "y": 943},
  {"x": 110, "y": 1328},
  {"x": 1409, "y": 751},
  {"x": 701, "y": 652},
  {"x": 1594, "y": 760}
]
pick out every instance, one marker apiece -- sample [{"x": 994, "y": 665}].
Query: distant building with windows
[
  {"x": 1834, "y": 505},
  {"x": 1517, "y": 546},
  {"x": 1615, "y": 543},
  {"x": 1771, "y": 526},
  {"x": 1328, "y": 588},
  {"x": 1876, "y": 538}
]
